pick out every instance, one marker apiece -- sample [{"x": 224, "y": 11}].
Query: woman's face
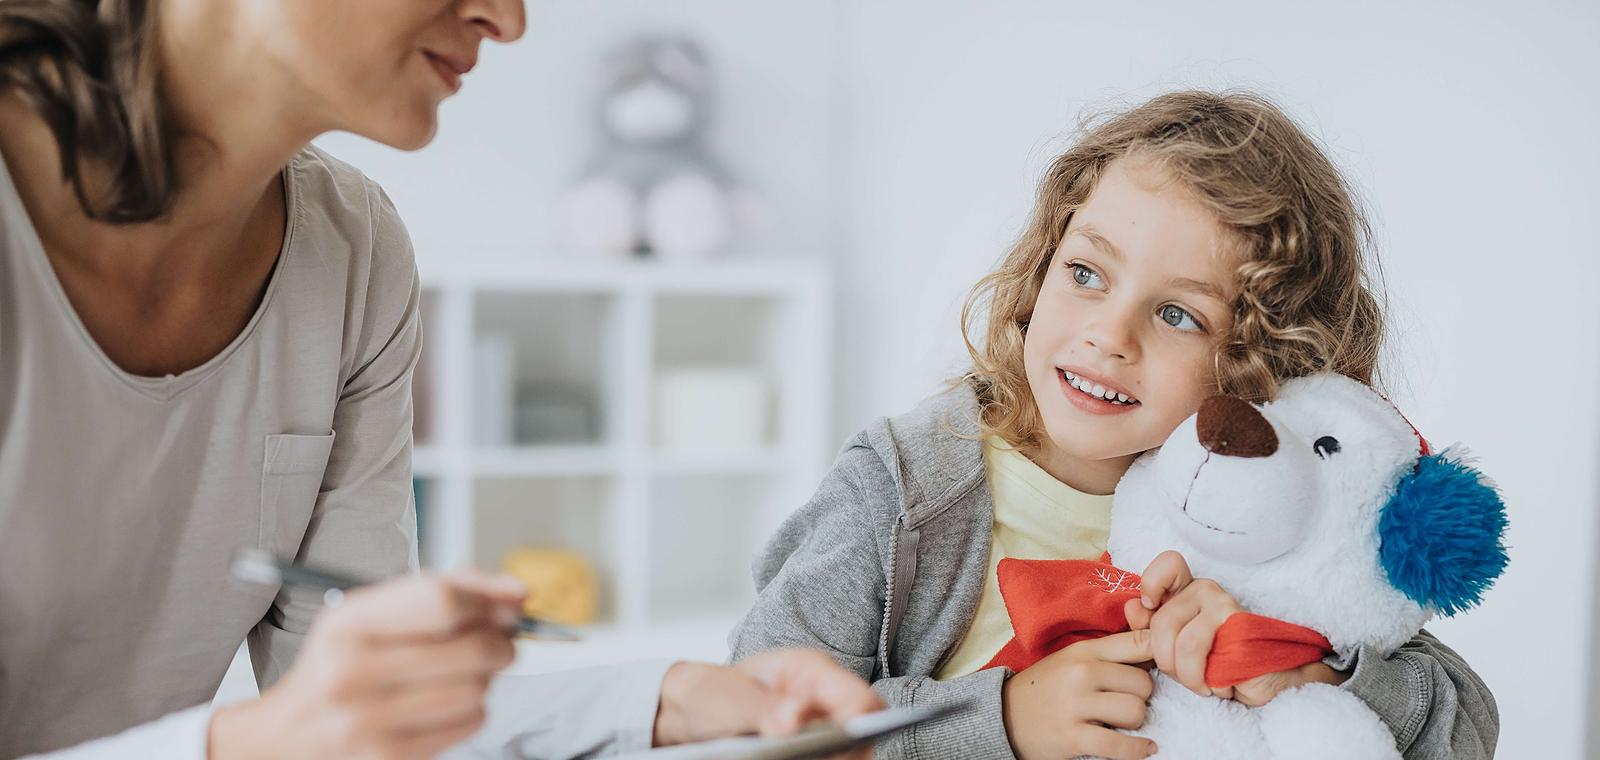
[
  {"x": 380, "y": 68},
  {"x": 1135, "y": 296}
]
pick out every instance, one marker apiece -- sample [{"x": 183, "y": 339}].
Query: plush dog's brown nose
[{"x": 1233, "y": 428}]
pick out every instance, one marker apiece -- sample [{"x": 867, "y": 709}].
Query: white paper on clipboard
[{"x": 811, "y": 743}]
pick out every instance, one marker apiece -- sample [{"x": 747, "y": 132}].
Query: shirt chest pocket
[{"x": 291, "y": 480}]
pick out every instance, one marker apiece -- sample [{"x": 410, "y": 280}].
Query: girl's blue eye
[
  {"x": 1177, "y": 317},
  {"x": 1083, "y": 275}
]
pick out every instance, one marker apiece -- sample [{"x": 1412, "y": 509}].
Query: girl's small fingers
[
  {"x": 1166, "y": 575},
  {"x": 1129, "y": 680},
  {"x": 1190, "y": 651},
  {"x": 1165, "y": 626},
  {"x": 1117, "y": 710},
  {"x": 1138, "y": 616},
  {"x": 1129, "y": 647},
  {"x": 1107, "y": 743}
]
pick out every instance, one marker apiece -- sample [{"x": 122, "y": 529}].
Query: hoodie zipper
[{"x": 897, "y": 592}]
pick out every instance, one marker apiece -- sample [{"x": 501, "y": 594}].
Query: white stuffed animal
[{"x": 1323, "y": 508}]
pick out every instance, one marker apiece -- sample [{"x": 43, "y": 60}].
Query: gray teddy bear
[{"x": 652, "y": 190}]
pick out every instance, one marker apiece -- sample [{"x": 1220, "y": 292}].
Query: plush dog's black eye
[{"x": 1325, "y": 446}]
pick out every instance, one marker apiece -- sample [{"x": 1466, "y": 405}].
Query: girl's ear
[{"x": 1440, "y": 535}]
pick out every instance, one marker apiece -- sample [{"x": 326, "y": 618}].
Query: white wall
[
  {"x": 904, "y": 137},
  {"x": 522, "y": 128},
  {"x": 1470, "y": 130}
]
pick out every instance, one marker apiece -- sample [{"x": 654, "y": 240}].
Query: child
[{"x": 1199, "y": 243}]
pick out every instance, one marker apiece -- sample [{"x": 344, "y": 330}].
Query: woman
[{"x": 207, "y": 335}]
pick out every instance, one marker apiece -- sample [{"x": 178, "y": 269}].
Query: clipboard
[{"x": 819, "y": 741}]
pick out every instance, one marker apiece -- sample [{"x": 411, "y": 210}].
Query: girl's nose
[
  {"x": 1233, "y": 428},
  {"x": 1112, "y": 340}
]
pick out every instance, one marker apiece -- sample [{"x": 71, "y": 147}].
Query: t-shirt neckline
[{"x": 164, "y": 387}]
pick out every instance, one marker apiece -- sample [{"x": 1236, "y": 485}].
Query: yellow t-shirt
[{"x": 1035, "y": 517}]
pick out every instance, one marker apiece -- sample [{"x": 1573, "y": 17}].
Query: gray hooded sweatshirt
[{"x": 884, "y": 567}]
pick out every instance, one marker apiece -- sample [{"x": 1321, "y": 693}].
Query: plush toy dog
[{"x": 1326, "y": 515}]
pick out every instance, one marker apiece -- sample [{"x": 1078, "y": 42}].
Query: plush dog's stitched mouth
[{"x": 1185, "y": 508}]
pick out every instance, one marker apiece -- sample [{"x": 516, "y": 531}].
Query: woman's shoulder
[
  {"x": 344, "y": 223},
  {"x": 338, "y": 196}
]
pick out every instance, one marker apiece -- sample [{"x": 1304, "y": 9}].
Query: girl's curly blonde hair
[{"x": 1305, "y": 303}]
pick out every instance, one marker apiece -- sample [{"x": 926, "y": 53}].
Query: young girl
[{"x": 1197, "y": 244}]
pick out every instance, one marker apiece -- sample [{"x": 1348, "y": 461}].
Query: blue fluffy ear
[{"x": 1440, "y": 535}]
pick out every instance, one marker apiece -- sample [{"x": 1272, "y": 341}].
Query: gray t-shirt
[{"x": 122, "y": 498}]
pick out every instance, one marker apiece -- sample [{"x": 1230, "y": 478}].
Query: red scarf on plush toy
[{"x": 1053, "y": 603}]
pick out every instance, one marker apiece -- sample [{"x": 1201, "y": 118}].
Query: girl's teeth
[{"x": 1098, "y": 391}]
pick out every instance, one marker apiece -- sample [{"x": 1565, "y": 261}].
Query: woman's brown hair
[
  {"x": 1306, "y": 301},
  {"x": 89, "y": 69}
]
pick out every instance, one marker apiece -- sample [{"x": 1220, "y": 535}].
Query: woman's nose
[
  {"x": 499, "y": 20},
  {"x": 1233, "y": 428}
]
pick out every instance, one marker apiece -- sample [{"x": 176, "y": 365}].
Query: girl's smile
[{"x": 1094, "y": 397}]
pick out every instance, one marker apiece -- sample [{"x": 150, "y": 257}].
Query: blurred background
[{"x": 815, "y": 185}]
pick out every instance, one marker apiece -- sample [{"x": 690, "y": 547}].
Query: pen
[{"x": 262, "y": 567}]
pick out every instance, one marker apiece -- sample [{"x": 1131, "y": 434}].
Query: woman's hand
[
  {"x": 397, "y": 670},
  {"x": 1067, "y": 704},
  {"x": 773, "y": 693},
  {"x": 1183, "y": 614}
]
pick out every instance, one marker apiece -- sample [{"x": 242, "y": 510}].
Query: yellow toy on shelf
[{"x": 562, "y": 587}]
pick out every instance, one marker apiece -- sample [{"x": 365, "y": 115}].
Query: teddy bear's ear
[{"x": 1440, "y": 534}]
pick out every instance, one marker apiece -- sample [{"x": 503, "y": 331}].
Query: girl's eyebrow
[{"x": 1185, "y": 283}]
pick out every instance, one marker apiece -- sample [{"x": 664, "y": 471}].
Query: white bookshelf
[{"x": 671, "y": 533}]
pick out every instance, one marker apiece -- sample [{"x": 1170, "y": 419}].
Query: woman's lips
[
  {"x": 447, "y": 72},
  {"x": 1089, "y": 403}
]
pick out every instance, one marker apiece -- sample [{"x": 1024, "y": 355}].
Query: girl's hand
[
  {"x": 1066, "y": 704},
  {"x": 1183, "y": 614},
  {"x": 1261, "y": 689},
  {"x": 397, "y": 670},
  {"x": 1187, "y": 614}
]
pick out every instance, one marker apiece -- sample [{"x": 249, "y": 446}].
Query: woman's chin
[{"x": 411, "y": 132}]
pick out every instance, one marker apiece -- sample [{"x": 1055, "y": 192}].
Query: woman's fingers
[
  {"x": 425, "y": 605},
  {"x": 441, "y": 705},
  {"x": 477, "y": 652},
  {"x": 1165, "y": 576},
  {"x": 420, "y": 605},
  {"x": 499, "y": 587},
  {"x": 428, "y": 744}
]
